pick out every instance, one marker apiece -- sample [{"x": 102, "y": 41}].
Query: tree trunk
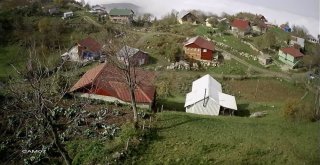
[
  {"x": 57, "y": 142},
  {"x": 134, "y": 107}
]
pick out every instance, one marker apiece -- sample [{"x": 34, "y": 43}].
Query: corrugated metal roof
[
  {"x": 292, "y": 51},
  {"x": 227, "y": 101},
  {"x": 201, "y": 42},
  {"x": 240, "y": 24},
  {"x": 121, "y": 12},
  {"x": 110, "y": 79}
]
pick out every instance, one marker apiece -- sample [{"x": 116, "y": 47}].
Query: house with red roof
[
  {"x": 199, "y": 48},
  {"x": 290, "y": 56},
  {"x": 240, "y": 27},
  {"x": 107, "y": 82},
  {"x": 85, "y": 50}
]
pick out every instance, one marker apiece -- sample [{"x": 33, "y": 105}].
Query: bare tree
[
  {"x": 35, "y": 94},
  {"x": 123, "y": 61}
]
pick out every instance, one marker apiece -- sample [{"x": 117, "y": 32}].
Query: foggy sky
[{"x": 297, "y": 12}]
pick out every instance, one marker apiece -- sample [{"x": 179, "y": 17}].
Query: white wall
[{"x": 211, "y": 108}]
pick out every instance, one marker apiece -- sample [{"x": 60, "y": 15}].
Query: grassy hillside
[
  {"x": 11, "y": 55},
  {"x": 191, "y": 139}
]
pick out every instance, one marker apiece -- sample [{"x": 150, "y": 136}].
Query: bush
[
  {"x": 163, "y": 89},
  {"x": 128, "y": 131},
  {"x": 297, "y": 110}
]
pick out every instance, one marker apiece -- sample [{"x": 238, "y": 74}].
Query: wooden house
[
  {"x": 199, "y": 48},
  {"x": 187, "y": 17},
  {"x": 135, "y": 56},
  {"x": 290, "y": 56}
]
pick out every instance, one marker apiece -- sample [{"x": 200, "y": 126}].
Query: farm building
[
  {"x": 134, "y": 55},
  {"x": 206, "y": 98},
  {"x": 187, "y": 17},
  {"x": 85, "y": 50},
  {"x": 107, "y": 82},
  {"x": 199, "y": 48},
  {"x": 297, "y": 42},
  {"x": 290, "y": 56},
  {"x": 265, "y": 59},
  {"x": 67, "y": 15},
  {"x": 124, "y": 16},
  {"x": 240, "y": 27}
]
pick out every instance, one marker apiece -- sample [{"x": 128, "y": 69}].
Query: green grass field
[
  {"x": 229, "y": 67},
  {"x": 192, "y": 139},
  {"x": 235, "y": 43},
  {"x": 11, "y": 55}
]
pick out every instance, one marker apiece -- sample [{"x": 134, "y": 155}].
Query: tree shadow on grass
[
  {"x": 243, "y": 110},
  {"x": 171, "y": 105},
  {"x": 180, "y": 123},
  {"x": 152, "y": 60}
]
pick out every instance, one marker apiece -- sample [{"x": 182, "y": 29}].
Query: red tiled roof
[
  {"x": 201, "y": 42},
  {"x": 240, "y": 24},
  {"x": 90, "y": 44},
  {"x": 292, "y": 51},
  {"x": 110, "y": 81}
]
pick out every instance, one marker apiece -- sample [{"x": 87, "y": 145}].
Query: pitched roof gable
[
  {"x": 111, "y": 80},
  {"x": 292, "y": 51},
  {"x": 241, "y": 24},
  {"x": 90, "y": 44},
  {"x": 127, "y": 51},
  {"x": 201, "y": 42},
  {"x": 88, "y": 78},
  {"x": 121, "y": 12}
]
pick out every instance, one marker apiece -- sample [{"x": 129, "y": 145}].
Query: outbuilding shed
[{"x": 206, "y": 98}]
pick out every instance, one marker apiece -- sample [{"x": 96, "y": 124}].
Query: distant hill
[{"x": 131, "y": 6}]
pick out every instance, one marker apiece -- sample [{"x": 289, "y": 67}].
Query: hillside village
[{"x": 102, "y": 84}]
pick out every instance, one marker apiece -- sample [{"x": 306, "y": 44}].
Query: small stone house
[{"x": 265, "y": 59}]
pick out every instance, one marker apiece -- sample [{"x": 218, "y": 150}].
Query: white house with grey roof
[{"x": 207, "y": 98}]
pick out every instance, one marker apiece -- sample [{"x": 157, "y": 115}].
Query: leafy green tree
[
  {"x": 223, "y": 26},
  {"x": 270, "y": 39},
  {"x": 213, "y": 21},
  {"x": 300, "y": 31}
]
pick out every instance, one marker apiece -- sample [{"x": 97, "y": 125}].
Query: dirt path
[
  {"x": 90, "y": 20},
  {"x": 258, "y": 69}
]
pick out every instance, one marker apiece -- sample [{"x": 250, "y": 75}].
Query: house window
[{"x": 204, "y": 50}]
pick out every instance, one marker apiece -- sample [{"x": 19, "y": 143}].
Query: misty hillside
[{"x": 131, "y": 6}]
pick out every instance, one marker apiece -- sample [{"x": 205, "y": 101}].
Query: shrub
[
  {"x": 128, "y": 131},
  {"x": 163, "y": 89},
  {"x": 297, "y": 110}
]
